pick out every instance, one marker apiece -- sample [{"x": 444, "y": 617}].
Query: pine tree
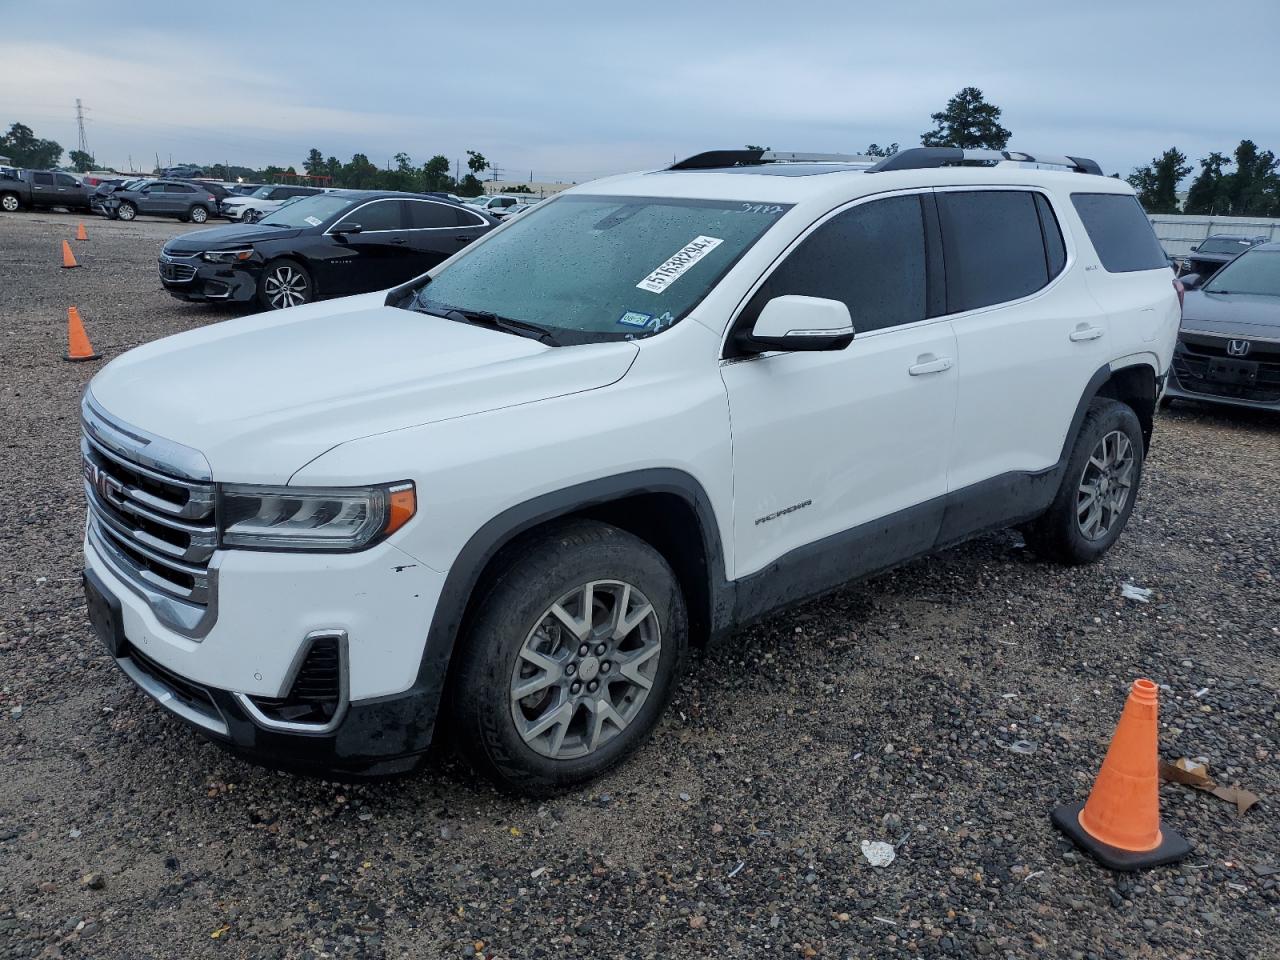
[{"x": 969, "y": 122}]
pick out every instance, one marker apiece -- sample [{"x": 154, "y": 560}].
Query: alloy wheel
[
  {"x": 585, "y": 670},
  {"x": 199, "y": 215},
  {"x": 1105, "y": 485},
  {"x": 9, "y": 203},
  {"x": 286, "y": 286},
  {"x": 126, "y": 211}
]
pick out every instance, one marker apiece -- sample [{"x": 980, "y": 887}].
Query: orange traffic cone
[
  {"x": 80, "y": 233},
  {"x": 1120, "y": 822},
  {"x": 67, "y": 259},
  {"x": 78, "y": 346}
]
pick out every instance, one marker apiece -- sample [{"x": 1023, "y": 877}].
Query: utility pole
[
  {"x": 84, "y": 144},
  {"x": 457, "y": 170}
]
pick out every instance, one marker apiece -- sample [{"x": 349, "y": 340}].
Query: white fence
[{"x": 1178, "y": 233}]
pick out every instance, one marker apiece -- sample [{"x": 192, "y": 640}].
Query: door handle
[
  {"x": 463, "y": 239},
  {"x": 928, "y": 363},
  {"x": 1082, "y": 333}
]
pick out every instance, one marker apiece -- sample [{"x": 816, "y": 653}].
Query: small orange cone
[
  {"x": 80, "y": 233},
  {"x": 78, "y": 346},
  {"x": 1120, "y": 822},
  {"x": 67, "y": 259}
]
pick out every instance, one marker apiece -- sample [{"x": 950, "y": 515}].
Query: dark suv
[
  {"x": 1212, "y": 252},
  {"x": 189, "y": 202}
]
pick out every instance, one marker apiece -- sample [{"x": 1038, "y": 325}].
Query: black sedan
[
  {"x": 328, "y": 245},
  {"x": 1228, "y": 349}
]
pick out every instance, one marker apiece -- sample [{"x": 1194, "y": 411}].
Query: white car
[
  {"x": 498, "y": 205},
  {"x": 522, "y": 486},
  {"x": 266, "y": 199}
]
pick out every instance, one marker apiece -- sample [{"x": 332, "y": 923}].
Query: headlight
[
  {"x": 226, "y": 256},
  {"x": 313, "y": 518}
]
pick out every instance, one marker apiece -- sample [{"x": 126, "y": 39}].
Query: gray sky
[{"x": 569, "y": 91}]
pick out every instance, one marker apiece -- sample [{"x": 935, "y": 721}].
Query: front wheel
[
  {"x": 126, "y": 211},
  {"x": 571, "y": 660},
  {"x": 1098, "y": 490},
  {"x": 284, "y": 283},
  {"x": 249, "y": 216}
]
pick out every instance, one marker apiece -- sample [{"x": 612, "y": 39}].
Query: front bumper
[
  {"x": 266, "y": 608},
  {"x": 1190, "y": 379},
  {"x": 190, "y": 278}
]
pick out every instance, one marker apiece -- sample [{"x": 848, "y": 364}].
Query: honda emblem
[{"x": 1238, "y": 348}]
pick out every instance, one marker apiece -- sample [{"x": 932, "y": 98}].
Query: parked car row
[{"x": 326, "y": 244}]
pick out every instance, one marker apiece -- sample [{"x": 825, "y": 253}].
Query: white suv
[{"x": 515, "y": 490}]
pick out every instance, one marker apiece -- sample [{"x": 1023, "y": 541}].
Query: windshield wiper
[{"x": 486, "y": 318}]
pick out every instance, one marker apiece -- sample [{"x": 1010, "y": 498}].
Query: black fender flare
[{"x": 468, "y": 567}]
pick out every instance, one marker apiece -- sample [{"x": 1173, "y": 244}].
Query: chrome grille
[{"x": 151, "y": 516}]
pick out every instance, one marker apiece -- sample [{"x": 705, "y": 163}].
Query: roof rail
[
  {"x": 924, "y": 158},
  {"x": 713, "y": 159}
]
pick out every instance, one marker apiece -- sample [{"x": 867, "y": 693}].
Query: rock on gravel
[{"x": 778, "y": 741}]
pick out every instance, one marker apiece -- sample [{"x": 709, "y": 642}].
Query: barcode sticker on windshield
[
  {"x": 673, "y": 269},
  {"x": 315, "y": 222}
]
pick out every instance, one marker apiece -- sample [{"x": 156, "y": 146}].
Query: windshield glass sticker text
[{"x": 673, "y": 269}]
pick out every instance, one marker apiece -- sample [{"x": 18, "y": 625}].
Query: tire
[
  {"x": 1075, "y": 529},
  {"x": 605, "y": 714},
  {"x": 126, "y": 211},
  {"x": 10, "y": 203},
  {"x": 198, "y": 214},
  {"x": 249, "y": 216},
  {"x": 284, "y": 283}
]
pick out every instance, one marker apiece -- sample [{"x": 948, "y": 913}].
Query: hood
[
  {"x": 1240, "y": 315},
  {"x": 220, "y": 238},
  {"x": 261, "y": 396}
]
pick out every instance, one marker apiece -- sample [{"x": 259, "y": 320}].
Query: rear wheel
[
  {"x": 126, "y": 210},
  {"x": 9, "y": 202},
  {"x": 198, "y": 214},
  {"x": 1098, "y": 490},
  {"x": 571, "y": 660},
  {"x": 284, "y": 283}
]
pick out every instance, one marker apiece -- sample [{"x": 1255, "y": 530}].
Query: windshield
[
  {"x": 308, "y": 211},
  {"x": 263, "y": 192},
  {"x": 1223, "y": 246},
  {"x": 602, "y": 267},
  {"x": 1256, "y": 272}
]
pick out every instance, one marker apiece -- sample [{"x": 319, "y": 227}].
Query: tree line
[{"x": 1245, "y": 184}]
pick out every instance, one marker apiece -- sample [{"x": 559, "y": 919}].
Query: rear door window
[
  {"x": 993, "y": 246},
  {"x": 468, "y": 219},
  {"x": 1120, "y": 232},
  {"x": 44, "y": 179},
  {"x": 425, "y": 215},
  {"x": 871, "y": 257}
]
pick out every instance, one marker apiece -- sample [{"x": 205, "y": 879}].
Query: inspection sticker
[
  {"x": 633, "y": 318},
  {"x": 673, "y": 269},
  {"x": 314, "y": 221}
]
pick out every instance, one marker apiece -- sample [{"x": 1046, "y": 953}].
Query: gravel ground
[{"x": 883, "y": 712}]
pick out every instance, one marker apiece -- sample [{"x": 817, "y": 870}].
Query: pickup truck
[{"x": 40, "y": 188}]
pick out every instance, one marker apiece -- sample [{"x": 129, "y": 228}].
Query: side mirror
[
  {"x": 1190, "y": 281},
  {"x": 1195, "y": 247},
  {"x": 346, "y": 228},
  {"x": 799, "y": 323}
]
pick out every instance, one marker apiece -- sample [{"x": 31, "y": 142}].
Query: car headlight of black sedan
[{"x": 227, "y": 256}]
